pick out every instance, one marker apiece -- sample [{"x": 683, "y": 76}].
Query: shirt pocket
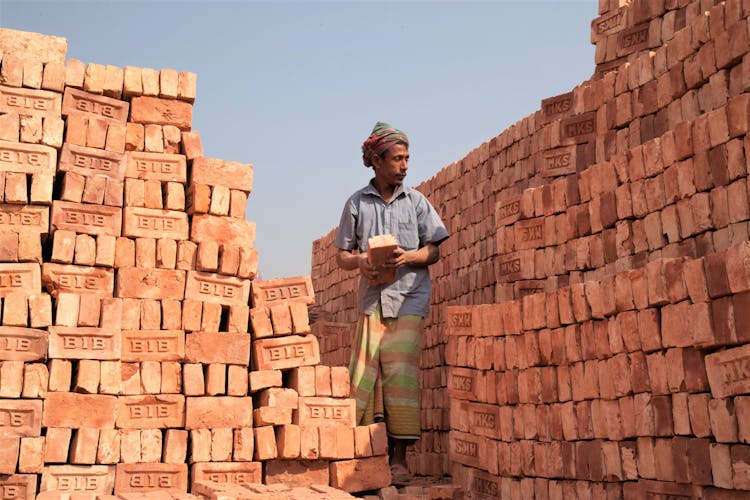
[{"x": 408, "y": 235}]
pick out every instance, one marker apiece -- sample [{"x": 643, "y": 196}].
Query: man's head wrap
[{"x": 382, "y": 137}]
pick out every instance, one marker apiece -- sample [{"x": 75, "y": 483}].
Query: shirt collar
[{"x": 372, "y": 190}]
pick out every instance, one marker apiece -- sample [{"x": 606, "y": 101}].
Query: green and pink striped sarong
[{"x": 384, "y": 370}]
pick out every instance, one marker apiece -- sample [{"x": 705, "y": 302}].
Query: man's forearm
[{"x": 425, "y": 256}]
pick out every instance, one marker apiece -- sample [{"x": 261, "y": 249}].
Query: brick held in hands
[
  {"x": 379, "y": 250},
  {"x": 298, "y": 289}
]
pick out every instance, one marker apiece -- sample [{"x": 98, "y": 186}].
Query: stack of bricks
[
  {"x": 609, "y": 388},
  {"x": 132, "y": 371},
  {"x": 645, "y": 161}
]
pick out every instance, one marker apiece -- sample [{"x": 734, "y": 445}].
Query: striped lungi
[{"x": 384, "y": 370}]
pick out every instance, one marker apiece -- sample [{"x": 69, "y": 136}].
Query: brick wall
[{"x": 634, "y": 182}]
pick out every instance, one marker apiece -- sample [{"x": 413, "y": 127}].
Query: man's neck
[{"x": 386, "y": 190}]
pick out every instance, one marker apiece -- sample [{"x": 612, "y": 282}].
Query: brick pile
[
  {"x": 131, "y": 360},
  {"x": 637, "y": 178}
]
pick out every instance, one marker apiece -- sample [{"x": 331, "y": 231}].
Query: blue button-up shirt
[{"x": 410, "y": 217}]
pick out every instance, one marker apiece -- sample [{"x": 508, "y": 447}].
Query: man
[{"x": 384, "y": 366}]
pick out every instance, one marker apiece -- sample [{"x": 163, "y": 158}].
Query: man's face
[{"x": 391, "y": 168}]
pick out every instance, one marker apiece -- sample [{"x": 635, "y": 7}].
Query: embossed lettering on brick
[
  {"x": 507, "y": 210},
  {"x": 86, "y": 219},
  {"x": 18, "y": 487},
  {"x": 84, "y": 343},
  {"x": 465, "y": 448},
  {"x": 729, "y": 371},
  {"x": 325, "y": 412},
  {"x": 20, "y": 417},
  {"x": 140, "y": 222},
  {"x": 458, "y": 320},
  {"x": 22, "y": 344},
  {"x": 163, "y": 167},
  {"x": 558, "y": 161},
  {"x": 632, "y": 39},
  {"x": 26, "y": 278},
  {"x": 291, "y": 351},
  {"x": 24, "y": 219},
  {"x": 484, "y": 485},
  {"x": 30, "y": 102},
  {"x": 228, "y": 472},
  {"x": 27, "y": 158},
  {"x": 484, "y": 419},
  {"x": 77, "y": 279},
  {"x": 151, "y": 411},
  {"x": 578, "y": 129},
  {"x": 217, "y": 288},
  {"x": 98, "y": 106},
  {"x": 298, "y": 289},
  {"x": 509, "y": 267},
  {"x": 557, "y": 106},
  {"x": 153, "y": 345},
  {"x": 90, "y": 479},
  {"x": 91, "y": 161},
  {"x": 530, "y": 233},
  {"x": 608, "y": 24},
  {"x": 461, "y": 383}
]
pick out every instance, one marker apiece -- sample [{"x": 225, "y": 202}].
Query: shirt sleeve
[
  {"x": 346, "y": 234},
  {"x": 430, "y": 226}
]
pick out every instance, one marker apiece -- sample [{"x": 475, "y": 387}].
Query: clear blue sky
[{"x": 295, "y": 87}]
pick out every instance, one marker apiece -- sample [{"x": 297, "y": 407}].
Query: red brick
[
  {"x": 213, "y": 412},
  {"x": 285, "y": 352},
  {"x": 146, "y": 477},
  {"x": 148, "y": 110},
  {"x": 297, "y": 472},
  {"x": 360, "y": 474},
  {"x": 723, "y": 420},
  {"x": 84, "y": 343},
  {"x": 151, "y": 412},
  {"x": 228, "y": 348},
  {"x": 227, "y": 231},
  {"x": 134, "y": 282},
  {"x": 727, "y": 371},
  {"x": 66, "y": 409},
  {"x": 215, "y": 288},
  {"x": 239, "y": 473},
  {"x": 265, "y": 443},
  {"x": 298, "y": 289},
  {"x": 154, "y": 223}
]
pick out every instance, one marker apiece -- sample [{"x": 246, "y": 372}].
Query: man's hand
[{"x": 367, "y": 270}]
